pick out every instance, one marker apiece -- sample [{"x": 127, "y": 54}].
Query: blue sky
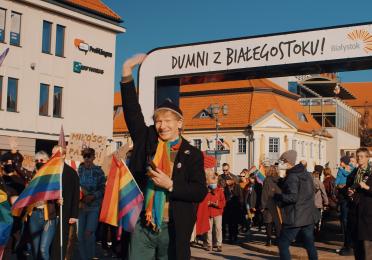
[{"x": 151, "y": 24}]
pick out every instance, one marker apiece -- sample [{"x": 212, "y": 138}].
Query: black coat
[
  {"x": 360, "y": 208},
  {"x": 70, "y": 208},
  {"x": 189, "y": 183},
  {"x": 297, "y": 198}
]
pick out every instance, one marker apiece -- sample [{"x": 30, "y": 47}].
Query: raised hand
[{"x": 130, "y": 63}]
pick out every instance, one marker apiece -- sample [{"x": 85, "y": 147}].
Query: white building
[{"x": 59, "y": 70}]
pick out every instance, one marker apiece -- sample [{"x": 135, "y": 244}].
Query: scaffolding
[{"x": 332, "y": 112}]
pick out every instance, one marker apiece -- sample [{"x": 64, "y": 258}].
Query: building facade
[{"x": 59, "y": 70}]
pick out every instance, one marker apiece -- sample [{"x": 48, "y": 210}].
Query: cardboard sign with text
[{"x": 79, "y": 141}]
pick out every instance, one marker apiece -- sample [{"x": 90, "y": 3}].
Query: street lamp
[
  {"x": 213, "y": 111},
  {"x": 250, "y": 136}
]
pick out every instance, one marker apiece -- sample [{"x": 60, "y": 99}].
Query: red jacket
[
  {"x": 206, "y": 210},
  {"x": 217, "y": 197}
]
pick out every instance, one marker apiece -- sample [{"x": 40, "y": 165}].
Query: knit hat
[
  {"x": 170, "y": 106},
  {"x": 289, "y": 156},
  {"x": 345, "y": 159},
  {"x": 209, "y": 161}
]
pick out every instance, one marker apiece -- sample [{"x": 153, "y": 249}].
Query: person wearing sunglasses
[{"x": 92, "y": 185}]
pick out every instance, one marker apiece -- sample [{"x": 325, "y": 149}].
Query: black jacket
[
  {"x": 70, "y": 208},
  {"x": 360, "y": 208},
  {"x": 189, "y": 183},
  {"x": 297, "y": 198}
]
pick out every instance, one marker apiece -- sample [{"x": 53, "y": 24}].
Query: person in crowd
[
  {"x": 92, "y": 185},
  {"x": 359, "y": 187},
  {"x": 232, "y": 214},
  {"x": 255, "y": 201},
  {"x": 14, "y": 183},
  {"x": 321, "y": 199},
  {"x": 343, "y": 171},
  {"x": 215, "y": 203},
  {"x": 70, "y": 210},
  {"x": 297, "y": 206},
  {"x": 42, "y": 219},
  {"x": 329, "y": 183},
  {"x": 271, "y": 214},
  {"x": 163, "y": 231},
  {"x": 250, "y": 200},
  {"x": 243, "y": 183},
  {"x": 202, "y": 225}
]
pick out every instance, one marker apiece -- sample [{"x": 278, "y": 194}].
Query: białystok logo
[{"x": 362, "y": 35}]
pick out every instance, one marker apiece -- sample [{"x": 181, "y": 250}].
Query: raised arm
[{"x": 131, "y": 107}]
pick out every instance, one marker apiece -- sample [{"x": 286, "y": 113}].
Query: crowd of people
[{"x": 186, "y": 200}]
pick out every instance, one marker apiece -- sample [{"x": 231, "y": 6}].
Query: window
[
  {"x": 60, "y": 40},
  {"x": 197, "y": 143},
  {"x": 2, "y": 24},
  {"x": 57, "y": 102},
  {"x": 220, "y": 146},
  {"x": 11, "y": 105},
  {"x": 47, "y": 36},
  {"x": 15, "y": 28},
  {"x": 273, "y": 145},
  {"x": 242, "y": 145},
  {"x": 44, "y": 99},
  {"x": 302, "y": 117},
  {"x": 294, "y": 145}
]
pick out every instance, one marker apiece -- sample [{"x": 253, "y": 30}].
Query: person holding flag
[
  {"x": 170, "y": 172},
  {"x": 68, "y": 216}
]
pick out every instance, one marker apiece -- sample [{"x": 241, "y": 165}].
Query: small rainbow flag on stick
[
  {"x": 260, "y": 174},
  {"x": 123, "y": 199},
  {"x": 46, "y": 185},
  {"x": 6, "y": 221}
]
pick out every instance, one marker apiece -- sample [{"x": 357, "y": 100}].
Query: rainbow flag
[
  {"x": 260, "y": 174},
  {"x": 6, "y": 221},
  {"x": 45, "y": 185},
  {"x": 123, "y": 200}
]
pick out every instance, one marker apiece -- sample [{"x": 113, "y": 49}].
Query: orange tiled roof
[
  {"x": 119, "y": 123},
  {"x": 245, "y": 108},
  {"x": 251, "y": 83},
  {"x": 117, "y": 99},
  {"x": 362, "y": 91},
  {"x": 95, "y": 6}
]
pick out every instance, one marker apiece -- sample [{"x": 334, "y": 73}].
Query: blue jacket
[
  {"x": 342, "y": 175},
  {"x": 92, "y": 181}
]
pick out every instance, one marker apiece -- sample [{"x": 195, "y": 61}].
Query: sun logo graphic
[{"x": 362, "y": 35}]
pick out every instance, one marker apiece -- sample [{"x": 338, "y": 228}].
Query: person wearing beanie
[
  {"x": 166, "y": 167},
  {"x": 297, "y": 206}
]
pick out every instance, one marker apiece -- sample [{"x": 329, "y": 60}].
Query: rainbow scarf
[
  {"x": 6, "y": 221},
  {"x": 155, "y": 197}
]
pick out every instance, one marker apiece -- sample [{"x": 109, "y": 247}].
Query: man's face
[
  {"x": 362, "y": 158},
  {"x": 88, "y": 158},
  {"x": 225, "y": 169},
  {"x": 167, "y": 125}
]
